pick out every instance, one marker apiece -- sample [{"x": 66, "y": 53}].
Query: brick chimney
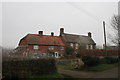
[
  {"x": 40, "y": 32},
  {"x": 52, "y": 33},
  {"x": 89, "y": 34},
  {"x": 61, "y": 31}
]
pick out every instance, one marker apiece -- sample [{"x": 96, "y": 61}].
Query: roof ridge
[
  {"x": 76, "y": 34},
  {"x": 43, "y": 35},
  {"x": 71, "y": 34}
]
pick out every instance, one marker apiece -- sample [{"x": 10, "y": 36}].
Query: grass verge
[
  {"x": 100, "y": 67},
  {"x": 68, "y": 67},
  {"x": 54, "y": 75}
]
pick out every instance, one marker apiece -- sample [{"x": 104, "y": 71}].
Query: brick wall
[{"x": 45, "y": 49}]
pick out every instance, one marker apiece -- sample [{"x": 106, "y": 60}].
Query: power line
[{"x": 84, "y": 11}]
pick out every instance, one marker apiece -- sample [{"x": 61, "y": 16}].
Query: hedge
[
  {"x": 90, "y": 61},
  {"x": 97, "y": 52},
  {"x": 27, "y": 67},
  {"x": 111, "y": 60},
  {"x": 93, "y": 61}
]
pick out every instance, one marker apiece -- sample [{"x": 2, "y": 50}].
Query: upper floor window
[
  {"x": 61, "y": 47},
  {"x": 36, "y": 46},
  {"x": 76, "y": 46},
  {"x": 51, "y": 47},
  {"x": 71, "y": 44}
]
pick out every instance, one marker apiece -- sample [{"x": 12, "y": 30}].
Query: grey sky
[{"x": 21, "y": 18}]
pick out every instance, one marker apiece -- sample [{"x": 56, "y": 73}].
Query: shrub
[
  {"x": 77, "y": 65},
  {"x": 111, "y": 60},
  {"x": 69, "y": 51},
  {"x": 97, "y": 52},
  {"x": 25, "y": 68},
  {"x": 90, "y": 61}
]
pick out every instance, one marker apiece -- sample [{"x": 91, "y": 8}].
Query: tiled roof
[
  {"x": 85, "y": 40},
  {"x": 81, "y": 39},
  {"x": 71, "y": 38},
  {"x": 43, "y": 39}
]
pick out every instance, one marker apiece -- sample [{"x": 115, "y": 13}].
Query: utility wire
[{"x": 84, "y": 11}]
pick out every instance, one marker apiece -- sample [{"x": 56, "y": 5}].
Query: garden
[
  {"x": 91, "y": 63},
  {"x": 17, "y": 68}
]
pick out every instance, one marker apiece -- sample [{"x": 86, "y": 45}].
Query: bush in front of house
[
  {"x": 27, "y": 67},
  {"x": 111, "y": 60},
  {"x": 90, "y": 61},
  {"x": 97, "y": 52},
  {"x": 69, "y": 51},
  {"x": 77, "y": 65}
]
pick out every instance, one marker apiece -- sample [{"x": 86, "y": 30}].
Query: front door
[{"x": 56, "y": 54}]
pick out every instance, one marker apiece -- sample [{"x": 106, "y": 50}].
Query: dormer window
[{"x": 36, "y": 47}]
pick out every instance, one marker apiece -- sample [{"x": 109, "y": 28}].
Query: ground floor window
[
  {"x": 25, "y": 54},
  {"x": 54, "y": 54}
]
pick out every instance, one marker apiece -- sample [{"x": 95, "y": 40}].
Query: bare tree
[{"x": 115, "y": 23}]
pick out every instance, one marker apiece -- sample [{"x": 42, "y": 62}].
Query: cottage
[
  {"x": 78, "y": 42},
  {"x": 41, "y": 45}
]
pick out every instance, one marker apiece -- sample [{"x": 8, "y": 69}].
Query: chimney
[
  {"x": 89, "y": 34},
  {"x": 40, "y": 32},
  {"x": 52, "y": 34},
  {"x": 61, "y": 31}
]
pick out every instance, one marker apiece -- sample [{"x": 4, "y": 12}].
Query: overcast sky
[{"x": 21, "y": 18}]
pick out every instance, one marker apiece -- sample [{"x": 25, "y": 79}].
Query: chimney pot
[
  {"x": 40, "y": 32},
  {"x": 61, "y": 31},
  {"x": 89, "y": 34},
  {"x": 52, "y": 34}
]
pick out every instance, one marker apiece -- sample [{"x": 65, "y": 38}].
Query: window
[
  {"x": 71, "y": 44},
  {"x": 61, "y": 47},
  {"x": 24, "y": 54},
  {"x": 87, "y": 46},
  {"x": 76, "y": 46},
  {"x": 51, "y": 47},
  {"x": 91, "y": 46},
  {"x": 36, "y": 46}
]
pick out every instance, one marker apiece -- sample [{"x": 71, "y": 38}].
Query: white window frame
[
  {"x": 61, "y": 47},
  {"x": 76, "y": 46},
  {"x": 91, "y": 46},
  {"x": 51, "y": 47},
  {"x": 36, "y": 47},
  {"x": 71, "y": 44},
  {"x": 87, "y": 46},
  {"x": 25, "y": 54}
]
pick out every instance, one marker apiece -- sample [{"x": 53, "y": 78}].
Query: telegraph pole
[{"x": 104, "y": 37}]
